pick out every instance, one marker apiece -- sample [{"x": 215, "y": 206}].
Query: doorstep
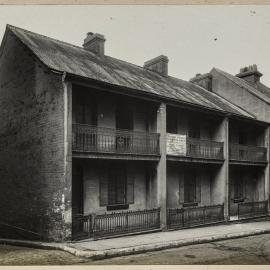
[{"x": 142, "y": 243}]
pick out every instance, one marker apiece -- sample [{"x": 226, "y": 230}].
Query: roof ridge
[
  {"x": 76, "y": 46},
  {"x": 47, "y": 37}
]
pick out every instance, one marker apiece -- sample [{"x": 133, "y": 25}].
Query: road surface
[{"x": 248, "y": 250}]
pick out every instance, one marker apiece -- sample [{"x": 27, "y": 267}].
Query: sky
[{"x": 195, "y": 38}]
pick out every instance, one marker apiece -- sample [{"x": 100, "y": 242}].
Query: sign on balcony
[{"x": 176, "y": 144}]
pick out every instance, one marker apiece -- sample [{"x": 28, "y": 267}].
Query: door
[
  {"x": 124, "y": 122},
  {"x": 77, "y": 190}
]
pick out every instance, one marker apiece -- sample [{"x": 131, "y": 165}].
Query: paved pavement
[
  {"x": 152, "y": 241},
  {"x": 170, "y": 238},
  {"x": 254, "y": 250}
]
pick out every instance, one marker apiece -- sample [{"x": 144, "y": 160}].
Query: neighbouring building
[
  {"x": 246, "y": 91},
  {"x": 93, "y": 146}
]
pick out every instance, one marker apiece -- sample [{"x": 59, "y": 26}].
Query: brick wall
[{"x": 34, "y": 193}]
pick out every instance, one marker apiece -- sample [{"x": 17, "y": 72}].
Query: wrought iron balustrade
[
  {"x": 204, "y": 149},
  {"x": 248, "y": 153},
  {"x": 194, "y": 216},
  {"x": 252, "y": 209},
  {"x": 105, "y": 225},
  {"x": 88, "y": 138}
]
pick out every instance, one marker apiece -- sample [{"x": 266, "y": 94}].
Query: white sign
[{"x": 176, "y": 144}]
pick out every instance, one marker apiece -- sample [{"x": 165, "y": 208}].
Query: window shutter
[
  {"x": 130, "y": 187},
  {"x": 198, "y": 189},
  {"x": 103, "y": 189},
  {"x": 181, "y": 188},
  {"x": 244, "y": 188}
]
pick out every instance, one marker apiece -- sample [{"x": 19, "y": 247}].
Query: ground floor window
[
  {"x": 190, "y": 188},
  {"x": 239, "y": 189},
  {"x": 116, "y": 188}
]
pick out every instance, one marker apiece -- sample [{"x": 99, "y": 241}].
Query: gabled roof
[
  {"x": 261, "y": 91},
  {"x": 75, "y": 60}
]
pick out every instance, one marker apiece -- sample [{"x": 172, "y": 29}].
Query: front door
[{"x": 77, "y": 190}]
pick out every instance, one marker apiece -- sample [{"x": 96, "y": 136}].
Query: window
[
  {"x": 85, "y": 109},
  {"x": 172, "y": 122},
  {"x": 238, "y": 189},
  {"x": 194, "y": 129},
  {"x": 190, "y": 188},
  {"x": 116, "y": 189}
]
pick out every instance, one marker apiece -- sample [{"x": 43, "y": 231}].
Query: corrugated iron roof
[{"x": 65, "y": 57}]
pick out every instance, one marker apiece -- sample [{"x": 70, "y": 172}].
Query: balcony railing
[
  {"x": 252, "y": 209},
  {"x": 248, "y": 153},
  {"x": 198, "y": 148},
  {"x": 106, "y": 225},
  {"x": 194, "y": 216},
  {"x": 88, "y": 138}
]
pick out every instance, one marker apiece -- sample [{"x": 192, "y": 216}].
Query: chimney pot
[
  {"x": 158, "y": 64},
  {"x": 94, "y": 42},
  {"x": 250, "y": 74},
  {"x": 203, "y": 80}
]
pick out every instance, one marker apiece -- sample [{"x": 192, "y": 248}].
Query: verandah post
[{"x": 161, "y": 167}]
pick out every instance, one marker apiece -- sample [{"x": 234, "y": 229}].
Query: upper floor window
[
  {"x": 85, "y": 109},
  {"x": 194, "y": 129}
]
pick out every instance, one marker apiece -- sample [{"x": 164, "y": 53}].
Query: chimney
[
  {"x": 203, "y": 80},
  {"x": 250, "y": 74},
  {"x": 158, "y": 64},
  {"x": 94, "y": 42}
]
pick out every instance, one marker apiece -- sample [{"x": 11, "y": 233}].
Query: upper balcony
[
  {"x": 247, "y": 153},
  {"x": 247, "y": 143},
  {"x": 93, "y": 139},
  {"x": 198, "y": 148},
  {"x": 194, "y": 136},
  {"x": 185, "y": 148}
]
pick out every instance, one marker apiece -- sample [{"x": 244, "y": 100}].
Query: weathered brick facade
[
  {"x": 92, "y": 146},
  {"x": 33, "y": 187}
]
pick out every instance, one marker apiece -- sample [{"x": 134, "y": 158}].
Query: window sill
[
  {"x": 238, "y": 200},
  {"x": 117, "y": 207},
  {"x": 190, "y": 204}
]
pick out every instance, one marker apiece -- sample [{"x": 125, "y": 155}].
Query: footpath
[{"x": 134, "y": 244}]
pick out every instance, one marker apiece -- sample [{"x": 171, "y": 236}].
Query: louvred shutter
[
  {"x": 130, "y": 187},
  {"x": 181, "y": 188},
  {"x": 245, "y": 187},
  {"x": 103, "y": 192},
  {"x": 198, "y": 189}
]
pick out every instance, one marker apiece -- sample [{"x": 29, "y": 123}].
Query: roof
[
  {"x": 261, "y": 91},
  {"x": 75, "y": 60}
]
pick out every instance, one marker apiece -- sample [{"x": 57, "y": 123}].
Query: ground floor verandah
[
  {"x": 247, "y": 192},
  {"x": 116, "y": 197}
]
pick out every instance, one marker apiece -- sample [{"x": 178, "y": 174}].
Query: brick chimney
[
  {"x": 250, "y": 74},
  {"x": 158, "y": 64},
  {"x": 203, "y": 80},
  {"x": 94, "y": 42}
]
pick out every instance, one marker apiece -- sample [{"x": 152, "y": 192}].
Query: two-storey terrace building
[{"x": 92, "y": 146}]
